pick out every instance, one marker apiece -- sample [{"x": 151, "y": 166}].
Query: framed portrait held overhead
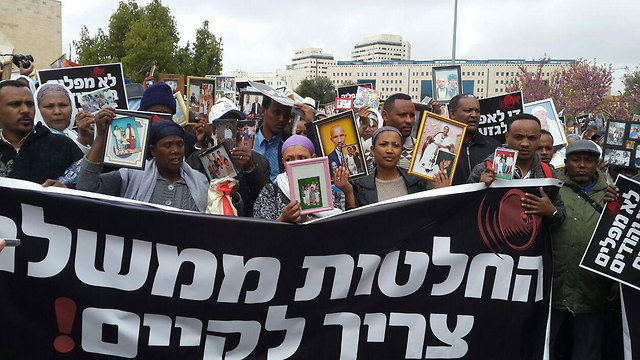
[
  {"x": 340, "y": 142},
  {"x": 437, "y": 146},
  {"x": 344, "y": 104},
  {"x": 252, "y": 103},
  {"x": 175, "y": 81},
  {"x": 126, "y": 144},
  {"x": 545, "y": 111},
  {"x": 310, "y": 184},
  {"x": 446, "y": 82},
  {"x": 201, "y": 94},
  {"x": 217, "y": 162}
]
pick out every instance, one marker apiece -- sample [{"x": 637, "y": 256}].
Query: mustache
[{"x": 25, "y": 117}]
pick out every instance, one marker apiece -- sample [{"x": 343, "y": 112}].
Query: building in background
[
  {"x": 32, "y": 27},
  {"x": 312, "y": 62},
  {"x": 383, "y": 47}
]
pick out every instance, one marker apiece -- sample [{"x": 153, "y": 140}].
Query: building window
[
  {"x": 496, "y": 82},
  {"x": 497, "y": 73},
  {"x": 496, "y": 90},
  {"x": 473, "y": 73},
  {"x": 501, "y": 82},
  {"x": 501, "y": 74}
]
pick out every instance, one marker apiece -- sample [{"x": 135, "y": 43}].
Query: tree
[
  {"x": 207, "y": 52},
  {"x": 92, "y": 49},
  {"x": 632, "y": 91},
  {"x": 319, "y": 88},
  {"x": 533, "y": 87},
  {"x": 119, "y": 25}
]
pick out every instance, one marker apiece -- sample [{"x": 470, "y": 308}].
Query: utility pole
[{"x": 455, "y": 25}]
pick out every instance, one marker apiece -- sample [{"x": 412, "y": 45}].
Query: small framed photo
[
  {"x": 545, "y": 111},
  {"x": 504, "y": 163},
  {"x": 98, "y": 99},
  {"x": 252, "y": 103},
  {"x": 201, "y": 94},
  {"x": 637, "y": 156},
  {"x": 182, "y": 115},
  {"x": 635, "y": 118},
  {"x": 217, "y": 162},
  {"x": 175, "y": 81},
  {"x": 446, "y": 82},
  {"x": 573, "y": 130},
  {"x": 226, "y": 132},
  {"x": 340, "y": 142},
  {"x": 226, "y": 84},
  {"x": 436, "y": 134},
  {"x": 615, "y": 132},
  {"x": 246, "y": 133},
  {"x": 634, "y": 131},
  {"x": 126, "y": 144},
  {"x": 617, "y": 157},
  {"x": 629, "y": 144},
  {"x": 310, "y": 184},
  {"x": 366, "y": 97},
  {"x": 344, "y": 104}
]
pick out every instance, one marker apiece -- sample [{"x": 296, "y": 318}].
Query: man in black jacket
[
  {"x": 30, "y": 152},
  {"x": 465, "y": 108}
]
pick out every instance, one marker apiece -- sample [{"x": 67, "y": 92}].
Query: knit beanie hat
[{"x": 158, "y": 94}]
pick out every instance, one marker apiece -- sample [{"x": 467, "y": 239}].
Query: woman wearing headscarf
[
  {"x": 165, "y": 180},
  {"x": 274, "y": 201},
  {"x": 387, "y": 180},
  {"x": 55, "y": 109}
]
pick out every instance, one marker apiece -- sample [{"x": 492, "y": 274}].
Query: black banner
[
  {"x": 350, "y": 91},
  {"x": 630, "y": 299},
  {"x": 83, "y": 79},
  {"x": 495, "y": 111},
  {"x": 613, "y": 250},
  {"x": 451, "y": 273}
]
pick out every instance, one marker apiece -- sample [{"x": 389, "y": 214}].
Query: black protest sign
[
  {"x": 84, "y": 79},
  {"x": 630, "y": 298},
  {"x": 496, "y": 111},
  {"x": 351, "y": 90},
  {"x": 117, "y": 279},
  {"x": 613, "y": 250}
]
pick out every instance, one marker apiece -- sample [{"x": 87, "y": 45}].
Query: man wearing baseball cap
[{"x": 579, "y": 296}]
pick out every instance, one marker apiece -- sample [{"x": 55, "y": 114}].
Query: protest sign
[
  {"x": 85, "y": 79},
  {"x": 613, "y": 250},
  {"x": 583, "y": 121},
  {"x": 351, "y": 90},
  {"x": 495, "y": 111},
  {"x": 123, "y": 279}
]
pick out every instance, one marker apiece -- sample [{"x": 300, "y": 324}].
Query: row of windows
[
  {"x": 392, "y": 81},
  {"x": 365, "y": 74},
  {"x": 391, "y": 89},
  {"x": 501, "y": 90}
]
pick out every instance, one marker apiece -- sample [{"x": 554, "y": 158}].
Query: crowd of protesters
[{"x": 47, "y": 141}]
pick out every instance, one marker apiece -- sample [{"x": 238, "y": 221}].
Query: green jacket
[{"x": 574, "y": 288}]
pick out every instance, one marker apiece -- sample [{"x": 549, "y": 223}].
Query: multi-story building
[
  {"x": 482, "y": 78},
  {"x": 312, "y": 62},
  {"x": 32, "y": 27},
  {"x": 381, "y": 47}
]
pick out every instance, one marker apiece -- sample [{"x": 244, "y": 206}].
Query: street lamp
[{"x": 455, "y": 23}]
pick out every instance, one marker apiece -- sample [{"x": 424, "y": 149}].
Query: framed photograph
[
  {"x": 344, "y": 104},
  {"x": 175, "y": 81},
  {"x": 617, "y": 157},
  {"x": 636, "y": 154},
  {"x": 151, "y": 116},
  {"x": 201, "y": 94},
  {"x": 615, "y": 132},
  {"x": 217, "y": 162},
  {"x": 340, "y": 142},
  {"x": 226, "y": 131},
  {"x": 629, "y": 144},
  {"x": 504, "y": 162},
  {"x": 96, "y": 100},
  {"x": 446, "y": 82},
  {"x": 251, "y": 103},
  {"x": 182, "y": 115},
  {"x": 126, "y": 144},
  {"x": 546, "y": 112},
  {"x": 246, "y": 133},
  {"x": 310, "y": 184},
  {"x": 635, "y": 118},
  {"x": 436, "y": 134},
  {"x": 634, "y": 131},
  {"x": 366, "y": 97},
  {"x": 226, "y": 84},
  {"x": 573, "y": 130}
]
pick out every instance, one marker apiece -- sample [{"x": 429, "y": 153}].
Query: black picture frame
[
  {"x": 436, "y": 73},
  {"x": 204, "y": 159},
  {"x": 134, "y": 160}
]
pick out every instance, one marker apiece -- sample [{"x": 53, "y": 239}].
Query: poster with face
[
  {"x": 545, "y": 111},
  {"x": 446, "y": 82}
]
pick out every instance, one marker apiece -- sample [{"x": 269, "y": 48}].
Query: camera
[{"x": 25, "y": 60}]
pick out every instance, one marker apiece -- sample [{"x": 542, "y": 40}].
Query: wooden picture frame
[
  {"x": 351, "y": 150},
  {"x": 175, "y": 81},
  {"x": 433, "y": 137},
  {"x": 446, "y": 74},
  {"x": 310, "y": 184},
  {"x": 128, "y": 149},
  {"x": 200, "y": 101}
]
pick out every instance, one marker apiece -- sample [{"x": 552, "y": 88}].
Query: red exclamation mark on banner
[{"x": 65, "y": 315}]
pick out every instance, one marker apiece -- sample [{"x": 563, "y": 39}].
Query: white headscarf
[
  {"x": 68, "y": 132},
  {"x": 32, "y": 85}
]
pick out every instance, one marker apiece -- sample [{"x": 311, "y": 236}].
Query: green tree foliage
[
  {"x": 319, "y": 88},
  {"x": 140, "y": 37}
]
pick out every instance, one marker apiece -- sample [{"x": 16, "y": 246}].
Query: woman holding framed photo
[
  {"x": 274, "y": 201},
  {"x": 387, "y": 181}
]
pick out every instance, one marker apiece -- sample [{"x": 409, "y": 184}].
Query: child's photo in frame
[
  {"x": 310, "y": 184},
  {"x": 217, "y": 162},
  {"x": 126, "y": 143}
]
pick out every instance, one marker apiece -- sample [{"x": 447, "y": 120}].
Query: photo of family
[
  {"x": 127, "y": 142},
  {"x": 201, "y": 94},
  {"x": 96, "y": 100},
  {"x": 217, "y": 162},
  {"x": 615, "y": 133},
  {"x": 634, "y": 132},
  {"x": 225, "y": 131},
  {"x": 310, "y": 184},
  {"x": 251, "y": 103},
  {"x": 225, "y": 84},
  {"x": 435, "y": 134},
  {"x": 545, "y": 111},
  {"x": 340, "y": 143},
  {"x": 246, "y": 133},
  {"x": 504, "y": 162},
  {"x": 446, "y": 83},
  {"x": 617, "y": 157}
]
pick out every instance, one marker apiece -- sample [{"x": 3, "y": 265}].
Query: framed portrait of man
[
  {"x": 446, "y": 81},
  {"x": 126, "y": 144},
  {"x": 175, "y": 81},
  {"x": 252, "y": 104},
  {"x": 438, "y": 139},
  {"x": 201, "y": 95},
  {"x": 546, "y": 112},
  {"x": 340, "y": 142}
]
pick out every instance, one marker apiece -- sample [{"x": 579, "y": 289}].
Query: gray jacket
[{"x": 365, "y": 192}]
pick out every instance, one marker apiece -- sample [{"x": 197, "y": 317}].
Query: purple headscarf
[{"x": 299, "y": 140}]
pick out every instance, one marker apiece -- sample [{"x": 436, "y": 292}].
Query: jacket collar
[
  {"x": 370, "y": 181},
  {"x": 601, "y": 183}
]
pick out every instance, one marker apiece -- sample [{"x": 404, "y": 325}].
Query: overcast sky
[{"x": 263, "y": 35}]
